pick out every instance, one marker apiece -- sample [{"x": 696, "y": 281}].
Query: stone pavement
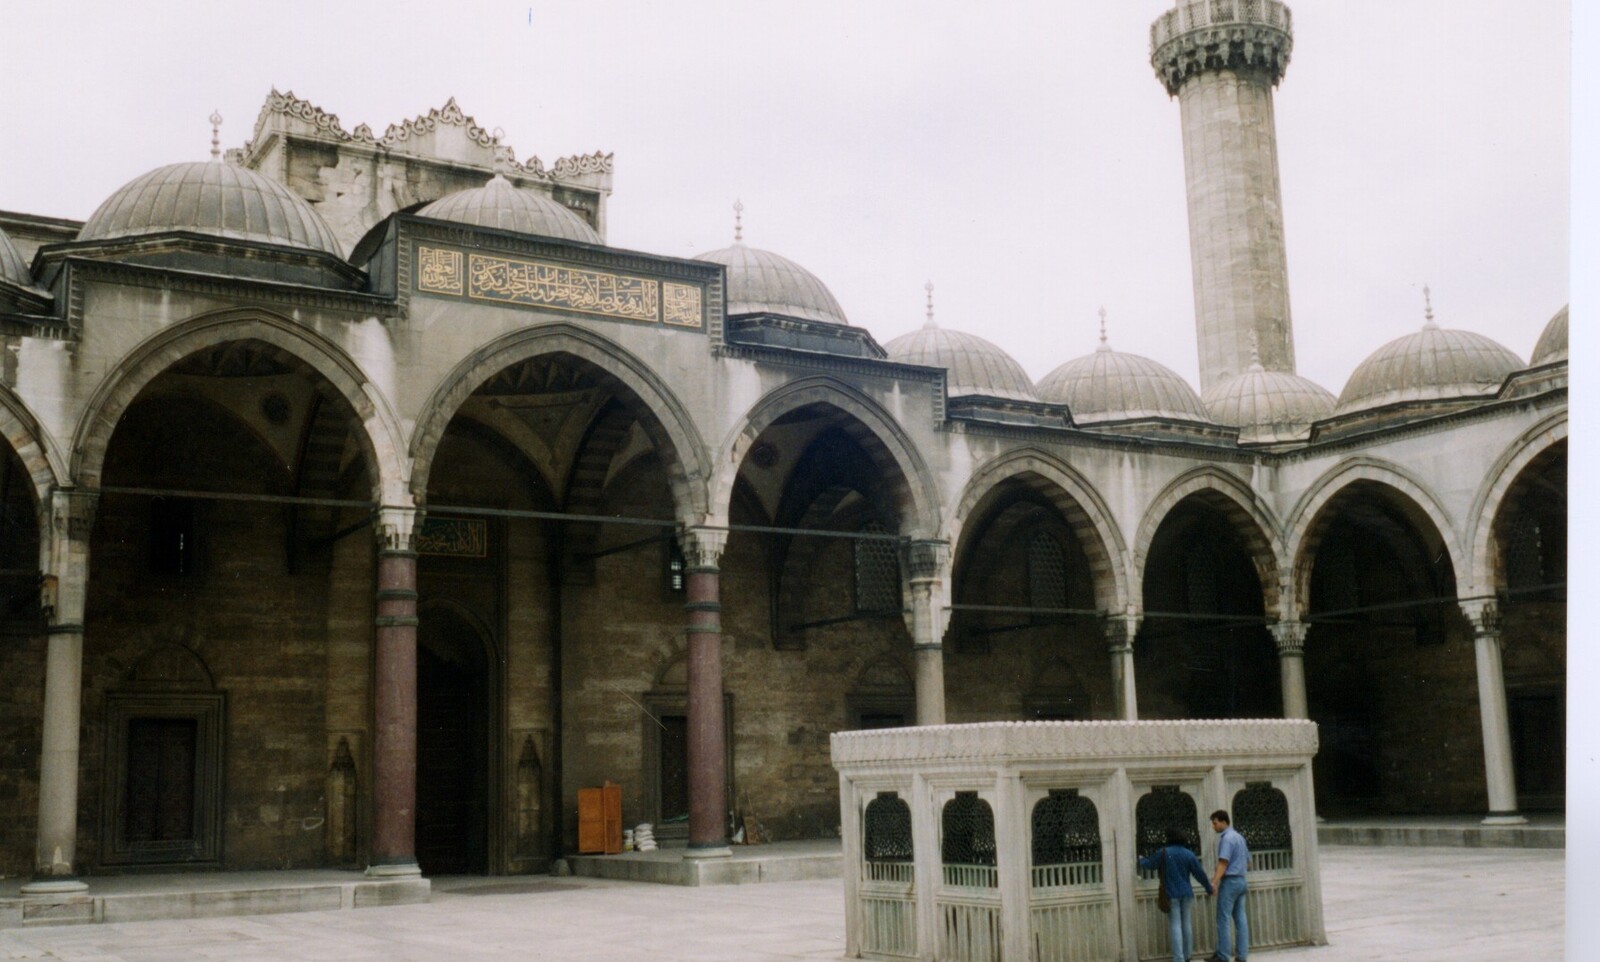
[{"x": 1417, "y": 905}]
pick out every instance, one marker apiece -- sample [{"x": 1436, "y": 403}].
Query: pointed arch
[
  {"x": 878, "y": 433},
  {"x": 1250, "y": 515},
  {"x": 1307, "y": 521},
  {"x": 1085, "y": 511},
  {"x": 1532, "y": 444},
  {"x": 663, "y": 415},
  {"x": 34, "y": 447},
  {"x": 380, "y": 436}
]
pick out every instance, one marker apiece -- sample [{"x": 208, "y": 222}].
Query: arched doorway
[{"x": 453, "y": 736}]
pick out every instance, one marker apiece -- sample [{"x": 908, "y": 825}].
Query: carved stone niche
[{"x": 161, "y": 797}]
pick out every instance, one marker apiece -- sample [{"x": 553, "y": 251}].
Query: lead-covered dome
[
  {"x": 1109, "y": 385},
  {"x": 1431, "y": 364},
  {"x": 1267, "y": 405},
  {"x": 975, "y": 365},
  {"x": 211, "y": 197},
  {"x": 502, "y": 205},
  {"x": 1552, "y": 344},
  {"x": 761, "y": 282},
  {"x": 12, "y": 267}
]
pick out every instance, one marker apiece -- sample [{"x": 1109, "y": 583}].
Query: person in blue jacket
[{"x": 1177, "y": 865}]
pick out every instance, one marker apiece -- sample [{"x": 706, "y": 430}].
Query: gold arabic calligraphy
[{"x": 568, "y": 288}]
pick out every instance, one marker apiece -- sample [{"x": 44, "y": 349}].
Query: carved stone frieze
[{"x": 1003, "y": 742}]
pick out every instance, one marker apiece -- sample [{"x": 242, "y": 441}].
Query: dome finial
[
  {"x": 1427, "y": 311},
  {"x": 216, "y": 134},
  {"x": 1103, "y": 345},
  {"x": 929, "y": 323},
  {"x": 504, "y": 158},
  {"x": 738, "y": 221}
]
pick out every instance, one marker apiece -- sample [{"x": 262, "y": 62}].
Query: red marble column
[
  {"x": 708, "y": 775},
  {"x": 394, "y": 748}
]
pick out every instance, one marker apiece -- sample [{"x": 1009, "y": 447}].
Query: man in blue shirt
[
  {"x": 1176, "y": 864},
  {"x": 1232, "y": 858}
]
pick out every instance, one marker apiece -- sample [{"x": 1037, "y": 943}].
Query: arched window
[
  {"x": 967, "y": 846},
  {"x": 1161, "y": 808},
  {"x": 877, "y": 572},
  {"x": 1047, "y": 572},
  {"x": 1261, "y": 814},
  {"x": 1066, "y": 840},
  {"x": 886, "y": 846}
]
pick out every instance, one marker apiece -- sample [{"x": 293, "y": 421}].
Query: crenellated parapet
[{"x": 1207, "y": 35}]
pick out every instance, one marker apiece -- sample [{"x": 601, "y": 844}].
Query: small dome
[
  {"x": 1432, "y": 364},
  {"x": 12, "y": 267},
  {"x": 502, "y": 205},
  {"x": 210, "y": 197},
  {"x": 761, "y": 282},
  {"x": 975, "y": 365},
  {"x": 1111, "y": 386},
  {"x": 1268, "y": 405},
  {"x": 1552, "y": 344}
]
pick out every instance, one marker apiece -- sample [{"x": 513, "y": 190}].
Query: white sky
[{"x": 1021, "y": 155}]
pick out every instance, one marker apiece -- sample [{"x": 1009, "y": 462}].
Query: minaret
[{"x": 1221, "y": 59}]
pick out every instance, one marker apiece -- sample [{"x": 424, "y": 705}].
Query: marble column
[
  {"x": 708, "y": 740},
  {"x": 1291, "y": 639},
  {"x": 394, "y": 740},
  {"x": 924, "y": 584},
  {"x": 1120, "y": 632},
  {"x": 65, "y": 589},
  {"x": 1484, "y": 614}
]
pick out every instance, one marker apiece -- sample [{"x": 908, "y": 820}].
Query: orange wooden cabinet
[{"x": 600, "y": 820}]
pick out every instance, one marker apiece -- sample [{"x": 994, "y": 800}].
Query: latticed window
[
  {"x": 1261, "y": 815},
  {"x": 1066, "y": 840},
  {"x": 1161, "y": 808},
  {"x": 967, "y": 846},
  {"x": 887, "y": 842},
  {"x": 1047, "y": 572},
  {"x": 877, "y": 571}
]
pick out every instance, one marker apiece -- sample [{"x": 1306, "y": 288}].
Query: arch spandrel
[
  {"x": 1533, "y": 444},
  {"x": 1259, "y": 527},
  {"x": 665, "y": 418},
  {"x": 1303, "y": 532},
  {"x": 380, "y": 437},
  {"x": 885, "y": 441},
  {"x": 1085, "y": 511}
]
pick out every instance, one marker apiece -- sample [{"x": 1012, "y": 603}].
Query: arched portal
[
  {"x": 1389, "y": 665},
  {"x": 256, "y": 581},
  {"x": 1203, "y": 650},
  {"x": 455, "y": 763},
  {"x": 22, "y": 654},
  {"x": 1031, "y": 582}
]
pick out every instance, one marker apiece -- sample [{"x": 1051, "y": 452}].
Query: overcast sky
[{"x": 1021, "y": 155}]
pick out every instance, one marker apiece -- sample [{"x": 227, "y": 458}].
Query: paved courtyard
[{"x": 1417, "y": 905}]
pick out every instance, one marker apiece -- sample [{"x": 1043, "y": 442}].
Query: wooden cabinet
[{"x": 600, "y": 820}]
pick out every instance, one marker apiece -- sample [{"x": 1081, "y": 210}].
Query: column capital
[
  {"x": 1291, "y": 638},
  {"x": 1483, "y": 613},
  {"x": 396, "y": 528},
  {"x": 702, "y": 547},
  {"x": 925, "y": 559},
  {"x": 1120, "y": 630}
]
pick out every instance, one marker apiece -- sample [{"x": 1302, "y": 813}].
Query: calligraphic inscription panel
[
  {"x": 681, "y": 304},
  {"x": 564, "y": 288},
  {"x": 439, "y": 271},
  {"x": 454, "y": 537}
]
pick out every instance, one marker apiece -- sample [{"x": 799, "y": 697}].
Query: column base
[
  {"x": 712, "y": 850},
  {"x": 1504, "y": 818},
  {"x": 55, "y": 885},
  {"x": 408, "y": 869}
]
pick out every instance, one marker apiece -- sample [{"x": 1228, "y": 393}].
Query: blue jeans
[
  {"x": 1230, "y": 907},
  {"x": 1180, "y": 926}
]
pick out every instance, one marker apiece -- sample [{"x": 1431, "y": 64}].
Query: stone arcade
[{"x": 361, "y": 504}]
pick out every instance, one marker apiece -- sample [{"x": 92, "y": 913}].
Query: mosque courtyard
[{"x": 1384, "y": 903}]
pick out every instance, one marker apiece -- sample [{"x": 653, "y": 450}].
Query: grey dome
[
  {"x": 1268, "y": 405},
  {"x": 502, "y": 205},
  {"x": 1432, "y": 364},
  {"x": 976, "y": 366},
  {"x": 1111, "y": 386},
  {"x": 1552, "y": 344},
  {"x": 209, "y": 197},
  {"x": 761, "y": 282},
  {"x": 12, "y": 267}
]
